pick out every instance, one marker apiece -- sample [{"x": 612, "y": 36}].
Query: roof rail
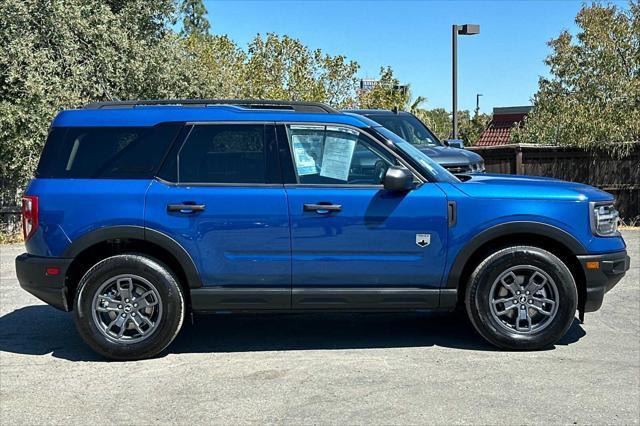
[{"x": 298, "y": 106}]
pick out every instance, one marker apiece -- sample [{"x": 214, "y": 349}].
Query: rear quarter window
[
  {"x": 224, "y": 153},
  {"x": 105, "y": 152}
]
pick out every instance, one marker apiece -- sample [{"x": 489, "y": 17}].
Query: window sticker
[
  {"x": 336, "y": 158},
  {"x": 307, "y": 152}
]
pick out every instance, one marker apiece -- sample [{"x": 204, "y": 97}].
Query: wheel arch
[
  {"x": 542, "y": 235},
  {"x": 104, "y": 242}
]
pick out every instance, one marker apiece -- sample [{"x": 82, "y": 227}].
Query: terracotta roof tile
[
  {"x": 498, "y": 132},
  {"x": 494, "y": 135}
]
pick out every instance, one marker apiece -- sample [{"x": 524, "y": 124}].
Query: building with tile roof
[{"x": 498, "y": 132}]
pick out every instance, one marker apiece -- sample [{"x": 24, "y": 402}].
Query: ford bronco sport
[{"x": 141, "y": 213}]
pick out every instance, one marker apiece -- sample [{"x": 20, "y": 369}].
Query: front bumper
[
  {"x": 612, "y": 267},
  {"x": 32, "y": 276}
]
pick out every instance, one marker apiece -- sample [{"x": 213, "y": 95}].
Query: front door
[
  {"x": 354, "y": 244},
  {"x": 222, "y": 199}
]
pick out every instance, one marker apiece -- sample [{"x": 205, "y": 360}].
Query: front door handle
[
  {"x": 185, "y": 208},
  {"x": 322, "y": 207}
]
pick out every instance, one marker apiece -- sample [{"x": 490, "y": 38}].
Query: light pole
[
  {"x": 478, "y": 102},
  {"x": 466, "y": 29}
]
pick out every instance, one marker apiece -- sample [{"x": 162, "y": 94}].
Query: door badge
[{"x": 423, "y": 240}]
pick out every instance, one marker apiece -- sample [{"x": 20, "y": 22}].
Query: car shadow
[{"x": 40, "y": 330}]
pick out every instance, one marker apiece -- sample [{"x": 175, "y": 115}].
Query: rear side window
[
  {"x": 224, "y": 154},
  {"x": 105, "y": 152}
]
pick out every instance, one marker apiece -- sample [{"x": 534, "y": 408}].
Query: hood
[
  {"x": 529, "y": 187},
  {"x": 450, "y": 156}
]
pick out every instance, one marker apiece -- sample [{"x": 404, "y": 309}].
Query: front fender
[{"x": 505, "y": 229}]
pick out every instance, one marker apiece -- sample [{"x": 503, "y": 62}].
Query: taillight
[{"x": 29, "y": 215}]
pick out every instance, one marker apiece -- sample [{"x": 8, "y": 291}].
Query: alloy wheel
[
  {"x": 127, "y": 308},
  {"x": 524, "y": 299}
]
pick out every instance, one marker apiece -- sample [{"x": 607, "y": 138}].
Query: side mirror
[
  {"x": 454, "y": 143},
  {"x": 398, "y": 179}
]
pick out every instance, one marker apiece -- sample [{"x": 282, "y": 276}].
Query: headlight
[
  {"x": 604, "y": 219},
  {"x": 477, "y": 167}
]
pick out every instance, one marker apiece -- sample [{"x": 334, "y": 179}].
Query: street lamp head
[{"x": 469, "y": 29}]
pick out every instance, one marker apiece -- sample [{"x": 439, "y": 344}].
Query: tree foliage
[
  {"x": 385, "y": 94},
  {"x": 472, "y": 126},
  {"x": 63, "y": 54},
  {"x": 281, "y": 67},
  {"x": 592, "y": 98},
  {"x": 273, "y": 67},
  {"x": 194, "y": 20},
  {"x": 439, "y": 121},
  {"x": 217, "y": 65}
]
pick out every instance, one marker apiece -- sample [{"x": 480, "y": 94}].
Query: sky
[{"x": 503, "y": 62}]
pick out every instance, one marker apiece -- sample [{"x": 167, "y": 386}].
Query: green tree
[
  {"x": 471, "y": 127},
  {"x": 592, "y": 98},
  {"x": 415, "y": 107},
  {"x": 194, "y": 18},
  {"x": 386, "y": 94},
  {"x": 337, "y": 78},
  {"x": 438, "y": 120},
  {"x": 217, "y": 64},
  {"x": 281, "y": 67},
  {"x": 56, "y": 55}
]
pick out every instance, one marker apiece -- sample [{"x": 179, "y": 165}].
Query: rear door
[
  {"x": 221, "y": 197},
  {"x": 354, "y": 244}
]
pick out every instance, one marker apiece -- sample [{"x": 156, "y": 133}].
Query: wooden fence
[{"x": 620, "y": 177}]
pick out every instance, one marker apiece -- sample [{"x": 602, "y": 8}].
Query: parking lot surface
[{"x": 321, "y": 369}]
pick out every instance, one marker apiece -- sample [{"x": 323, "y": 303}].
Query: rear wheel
[
  {"x": 522, "y": 298},
  {"x": 129, "y": 307}
]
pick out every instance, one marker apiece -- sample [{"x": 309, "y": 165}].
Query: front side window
[
  {"x": 336, "y": 155},
  {"x": 223, "y": 154}
]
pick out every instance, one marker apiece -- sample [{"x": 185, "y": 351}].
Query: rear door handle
[
  {"x": 322, "y": 208},
  {"x": 185, "y": 208}
]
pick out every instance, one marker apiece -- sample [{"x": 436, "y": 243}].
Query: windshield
[
  {"x": 434, "y": 169},
  {"x": 408, "y": 128}
]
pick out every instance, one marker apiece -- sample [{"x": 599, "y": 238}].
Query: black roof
[{"x": 298, "y": 106}]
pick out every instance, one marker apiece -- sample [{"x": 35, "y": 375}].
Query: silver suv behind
[{"x": 414, "y": 131}]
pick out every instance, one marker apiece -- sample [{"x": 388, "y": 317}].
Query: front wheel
[
  {"x": 522, "y": 298},
  {"x": 128, "y": 307}
]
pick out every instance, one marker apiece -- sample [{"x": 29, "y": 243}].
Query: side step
[
  {"x": 372, "y": 299},
  {"x": 381, "y": 299}
]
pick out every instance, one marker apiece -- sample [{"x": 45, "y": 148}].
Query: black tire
[
  {"x": 170, "y": 299},
  {"x": 479, "y": 305}
]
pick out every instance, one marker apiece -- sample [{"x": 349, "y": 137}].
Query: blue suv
[{"x": 142, "y": 213}]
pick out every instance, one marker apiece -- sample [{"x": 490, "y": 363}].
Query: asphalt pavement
[{"x": 322, "y": 369}]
